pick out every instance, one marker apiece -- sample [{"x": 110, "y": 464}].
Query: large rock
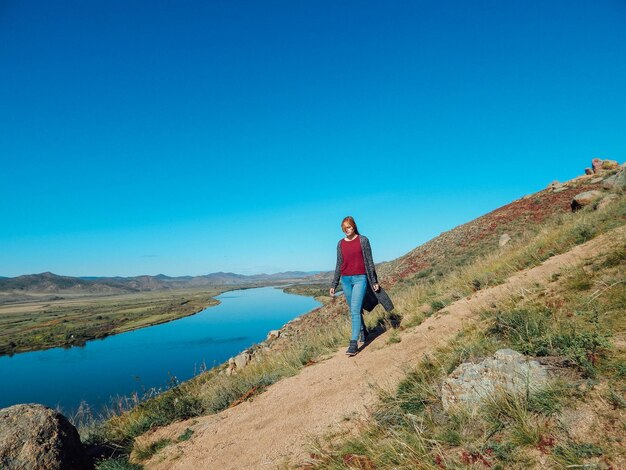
[
  {"x": 508, "y": 371},
  {"x": 235, "y": 364},
  {"x": 584, "y": 199},
  {"x": 242, "y": 360},
  {"x": 37, "y": 437}
]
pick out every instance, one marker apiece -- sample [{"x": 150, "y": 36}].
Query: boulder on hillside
[
  {"x": 272, "y": 335},
  {"x": 243, "y": 359},
  {"x": 508, "y": 371},
  {"x": 504, "y": 239},
  {"x": 616, "y": 182},
  {"x": 584, "y": 199},
  {"x": 37, "y": 437},
  {"x": 555, "y": 185},
  {"x": 596, "y": 165},
  {"x": 238, "y": 362}
]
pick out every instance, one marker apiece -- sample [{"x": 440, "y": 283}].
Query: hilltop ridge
[{"x": 48, "y": 282}]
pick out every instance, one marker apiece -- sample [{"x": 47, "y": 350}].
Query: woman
[{"x": 355, "y": 265}]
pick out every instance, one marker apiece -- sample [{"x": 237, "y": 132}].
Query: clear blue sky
[{"x": 191, "y": 137}]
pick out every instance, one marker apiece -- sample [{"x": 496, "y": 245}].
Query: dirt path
[{"x": 275, "y": 428}]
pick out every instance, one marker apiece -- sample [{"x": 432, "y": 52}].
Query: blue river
[{"x": 103, "y": 370}]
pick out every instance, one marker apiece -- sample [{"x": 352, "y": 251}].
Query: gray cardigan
[{"x": 371, "y": 297}]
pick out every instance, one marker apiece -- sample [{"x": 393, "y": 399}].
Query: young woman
[{"x": 355, "y": 266}]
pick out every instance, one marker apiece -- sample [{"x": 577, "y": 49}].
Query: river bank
[
  {"x": 66, "y": 322},
  {"x": 319, "y": 291}
]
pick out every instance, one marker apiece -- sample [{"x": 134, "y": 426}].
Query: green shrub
[
  {"x": 579, "y": 281},
  {"x": 533, "y": 331},
  {"x": 615, "y": 258},
  {"x": 120, "y": 463},
  {"x": 526, "y": 329},
  {"x": 186, "y": 435},
  {"x": 572, "y": 454},
  {"x": 437, "y": 305},
  {"x": 144, "y": 453},
  {"x": 583, "y": 233},
  {"x": 616, "y": 399}
]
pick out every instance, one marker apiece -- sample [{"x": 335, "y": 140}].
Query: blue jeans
[{"x": 354, "y": 289}]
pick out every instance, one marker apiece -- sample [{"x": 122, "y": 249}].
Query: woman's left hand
[{"x": 376, "y": 287}]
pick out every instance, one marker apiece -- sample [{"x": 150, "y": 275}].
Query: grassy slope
[{"x": 421, "y": 282}]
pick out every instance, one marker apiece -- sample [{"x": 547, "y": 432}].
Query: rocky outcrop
[
  {"x": 504, "y": 239},
  {"x": 598, "y": 165},
  {"x": 235, "y": 364},
  {"x": 508, "y": 371},
  {"x": 37, "y": 437}
]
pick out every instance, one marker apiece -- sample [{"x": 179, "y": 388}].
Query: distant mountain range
[{"x": 52, "y": 283}]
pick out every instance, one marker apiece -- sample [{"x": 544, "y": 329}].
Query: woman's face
[{"x": 348, "y": 229}]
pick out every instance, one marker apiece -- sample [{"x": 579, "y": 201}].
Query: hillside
[
  {"x": 554, "y": 291},
  {"x": 329, "y": 397}
]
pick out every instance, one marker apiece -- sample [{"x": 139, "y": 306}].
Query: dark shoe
[
  {"x": 364, "y": 335},
  {"x": 352, "y": 349}
]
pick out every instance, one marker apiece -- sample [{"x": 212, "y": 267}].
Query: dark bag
[{"x": 372, "y": 299}]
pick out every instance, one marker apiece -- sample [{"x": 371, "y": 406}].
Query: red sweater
[{"x": 353, "y": 263}]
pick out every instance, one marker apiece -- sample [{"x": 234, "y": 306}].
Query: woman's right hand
[{"x": 332, "y": 291}]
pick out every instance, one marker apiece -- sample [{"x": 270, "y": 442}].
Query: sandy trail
[{"x": 275, "y": 428}]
